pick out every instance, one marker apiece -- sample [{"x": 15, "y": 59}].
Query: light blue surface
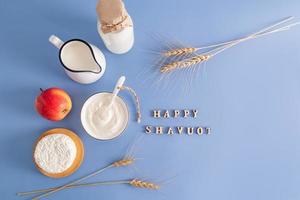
[{"x": 249, "y": 96}]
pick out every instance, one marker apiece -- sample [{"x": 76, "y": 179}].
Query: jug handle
[{"x": 56, "y": 41}]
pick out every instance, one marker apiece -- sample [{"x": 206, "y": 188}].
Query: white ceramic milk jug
[{"x": 83, "y": 62}]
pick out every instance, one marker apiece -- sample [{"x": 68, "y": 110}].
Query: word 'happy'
[{"x": 175, "y": 113}]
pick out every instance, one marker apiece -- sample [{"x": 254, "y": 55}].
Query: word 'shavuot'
[{"x": 159, "y": 130}]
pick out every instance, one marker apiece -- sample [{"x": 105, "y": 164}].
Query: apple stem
[{"x": 41, "y": 90}]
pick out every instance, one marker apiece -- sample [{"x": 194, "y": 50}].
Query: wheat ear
[
  {"x": 144, "y": 184},
  {"x": 179, "y": 51},
  {"x": 184, "y": 63},
  {"x": 123, "y": 162}
]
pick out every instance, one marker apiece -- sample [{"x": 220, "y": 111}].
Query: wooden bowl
[{"x": 79, "y": 154}]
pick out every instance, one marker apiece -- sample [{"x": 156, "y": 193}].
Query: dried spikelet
[
  {"x": 170, "y": 67},
  {"x": 123, "y": 162},
  {"x": 194, "y": 60},
  {"x": 184, "y": 63},
  {"x": 179, "y": 52},
  {"x": 144, "y": 184}
]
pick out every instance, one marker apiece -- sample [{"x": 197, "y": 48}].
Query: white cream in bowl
[{"x": 104, "y": 121}]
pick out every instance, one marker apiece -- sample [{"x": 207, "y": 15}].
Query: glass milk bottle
[{"x": 115, "y": 26}]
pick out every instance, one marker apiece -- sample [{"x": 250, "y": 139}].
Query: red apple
[{"x": 53, "y": 104}]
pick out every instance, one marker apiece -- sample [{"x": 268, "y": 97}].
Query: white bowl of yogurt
[{"x": 101, "y": 121}]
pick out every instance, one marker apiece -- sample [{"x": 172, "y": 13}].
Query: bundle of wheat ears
[
  {"x": 185, "y": 57},
  {"x": 137, "y": 183}
]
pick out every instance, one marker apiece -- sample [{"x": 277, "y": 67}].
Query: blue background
[{"x": 249, "y": 96}]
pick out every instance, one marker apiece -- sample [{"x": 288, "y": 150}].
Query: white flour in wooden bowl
[{"x": 55, "y": 153}]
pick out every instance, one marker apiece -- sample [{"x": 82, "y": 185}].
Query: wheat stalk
[
  {"x": 184, "y": 63},
  {"x": 119, "y": 163},
  {"x": 134, "y": 182},
  {"x": 73, "y": 186},
  {"x": 269, "y": 30},
  {"x": 216, "y": 48}
]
